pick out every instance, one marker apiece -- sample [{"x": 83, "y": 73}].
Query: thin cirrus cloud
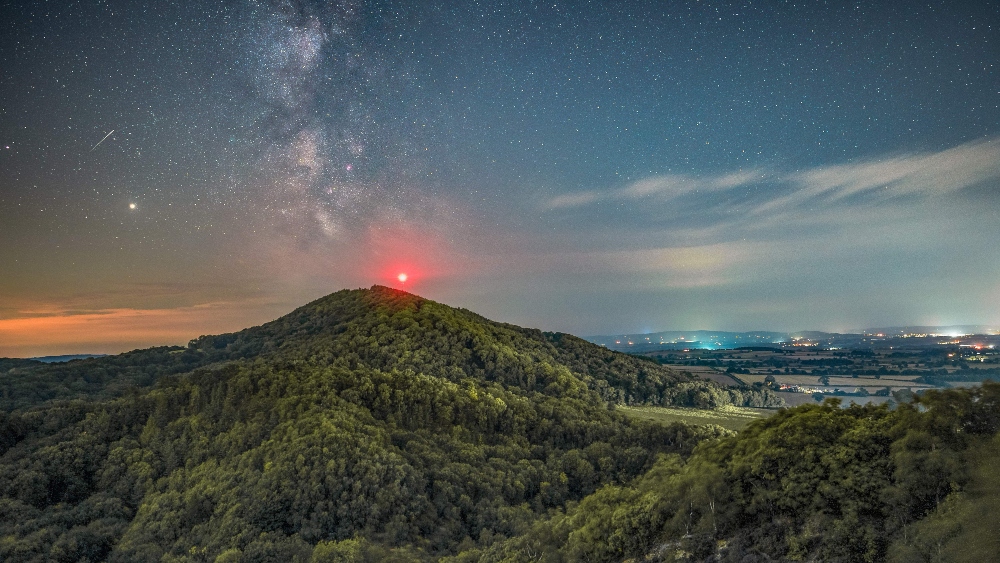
[
  {"x": 921, "y": 175},
  {"x": 709, "y": 265},
  {"x": 643, "y": 268},
  {"x": 663, "y": 187},
  {"x": 918, "y": 175}
]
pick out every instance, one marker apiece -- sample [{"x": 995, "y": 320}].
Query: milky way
[{"x": 327, "y": 140}]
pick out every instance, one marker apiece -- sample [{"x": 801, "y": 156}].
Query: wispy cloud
[
  {"x": 656, "y": 267},
  {"x": 917, "y": 175},
  {"x": 709, "y": 265},
  {"x": 574, "y": 199},
  {"x": 662, "y": 188},
  {"x": 920, "y": 175}
]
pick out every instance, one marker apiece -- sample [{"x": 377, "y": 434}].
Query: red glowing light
[{"x": 401, "y": 278}]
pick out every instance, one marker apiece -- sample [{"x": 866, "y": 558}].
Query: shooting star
[{"x": 101, "y": 141}]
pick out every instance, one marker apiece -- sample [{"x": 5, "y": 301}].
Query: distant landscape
[
  {"x": 873, "y": 366},
  {"x": 918, "y": 337}
]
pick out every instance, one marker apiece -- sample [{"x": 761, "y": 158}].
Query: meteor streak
[{"x": 101, "y": 141}]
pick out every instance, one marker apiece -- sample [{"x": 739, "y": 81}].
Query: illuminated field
[
  {"x": 711, "y": 373},
  {"x": 732, "y": 418},
  {"x": 841, "y": 382}
]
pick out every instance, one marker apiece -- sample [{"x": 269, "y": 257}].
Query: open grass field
[
  {"x": 732, "y": 418},
  {"x": 898, "y": 381},
  {"x": 714, "y": 374}
]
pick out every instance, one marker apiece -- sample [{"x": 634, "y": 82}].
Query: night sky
[{"x": 173, "y": 169}]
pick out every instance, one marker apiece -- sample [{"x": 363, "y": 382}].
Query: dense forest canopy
[
  {"x": 375, "y": 425},
  {"x": 814, "y": 483}
]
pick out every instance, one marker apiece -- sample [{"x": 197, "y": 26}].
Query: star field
[{"x": 589, "y": 167}]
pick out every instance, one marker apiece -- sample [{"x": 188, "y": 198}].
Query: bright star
[
  {"x": 401, "y": 278},
  {"x": 131, "y": 206}
]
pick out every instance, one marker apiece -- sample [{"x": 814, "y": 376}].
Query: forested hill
[
  {"x": 368, "y": 425},
  {"x": 383, "y": 329},
  {"x": 373, "y": 425},
  {"x": 389, "y": 329}
]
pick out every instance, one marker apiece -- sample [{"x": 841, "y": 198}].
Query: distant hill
[
  {"x": 371, "y": 420},
  {"x": 949, "y": 330},
  {"x": 66, "y": 358}
]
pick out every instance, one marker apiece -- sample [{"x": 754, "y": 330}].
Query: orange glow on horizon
[{"x": 111, "y": 331}]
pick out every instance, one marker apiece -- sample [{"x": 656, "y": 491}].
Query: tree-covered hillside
[
  {"x": 382, "y": 329},
  {"x": 814, "y": 483},
  {"x": 370, "y": 422}
]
